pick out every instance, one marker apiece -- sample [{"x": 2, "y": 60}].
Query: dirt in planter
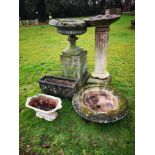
[
  {"x": 43, "y": 103},
  {"x": 59, "y": 81}
]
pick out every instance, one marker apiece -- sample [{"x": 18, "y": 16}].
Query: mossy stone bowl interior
[{"x": 99, "y": 104}]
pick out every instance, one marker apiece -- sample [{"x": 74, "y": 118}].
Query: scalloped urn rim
[{"x": 69, "y": 26}]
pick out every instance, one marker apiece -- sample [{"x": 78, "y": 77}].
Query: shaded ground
[{"x": 40, "y": 47}]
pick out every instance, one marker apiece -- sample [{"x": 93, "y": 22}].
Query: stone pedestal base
[
  {"x": 74, "y": 65},
  {"x": 96, "y": 81},
  {"x": 101, "y": 76}
]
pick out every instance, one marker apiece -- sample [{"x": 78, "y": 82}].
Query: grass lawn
[{"x": 40, "y": 47}]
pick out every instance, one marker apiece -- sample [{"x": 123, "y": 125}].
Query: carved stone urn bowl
[{"x": 69, "y": 26}]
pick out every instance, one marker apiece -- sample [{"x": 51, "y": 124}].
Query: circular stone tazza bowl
[
  {"x": 101, "y": 20},
  {"x": 69, "y": 26},
  {"x": 46, "y": 110},
  {"x": 116, "y": 111}
]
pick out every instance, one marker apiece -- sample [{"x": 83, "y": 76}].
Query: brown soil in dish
[
  {"x": 59, "y": 81},
  {"x": 43, "y": 103},
  {"x": 99, "y": 101}
]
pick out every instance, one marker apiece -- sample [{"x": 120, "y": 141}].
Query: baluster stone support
[
  {"x": 101, "y": 45},
  {"x": 102, "y": 27}
]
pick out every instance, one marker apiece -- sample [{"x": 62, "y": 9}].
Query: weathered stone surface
[
  {"x": 69, "y": 26},
  {"x": 75, "y": 66},
  {"x": 73, "y": 58},
  {"x": 102, "y": 27},
  {"x": 101, "y": 20},
  {"x": 96, "y": 81},
  {"x": 101, "y": 46},
  {"x": 58, "y": 86},
  {"x": 111, "y": 115},
  {"x": 73, "y": 49}
]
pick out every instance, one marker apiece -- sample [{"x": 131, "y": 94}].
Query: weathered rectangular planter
[{"x": 58, "y": 86}]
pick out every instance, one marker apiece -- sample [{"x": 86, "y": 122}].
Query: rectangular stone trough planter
[{"x": 58, "y": 86}]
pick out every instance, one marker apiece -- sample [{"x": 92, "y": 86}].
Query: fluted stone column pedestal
[
  {"x": 102, "y": 24},
  {"x": 100, "y": 74}
]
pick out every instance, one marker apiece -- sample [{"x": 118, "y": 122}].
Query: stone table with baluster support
[{"x": 102, "y": 27}]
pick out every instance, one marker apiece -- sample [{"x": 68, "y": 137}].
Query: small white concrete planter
[{"x": 49, "y": 115}]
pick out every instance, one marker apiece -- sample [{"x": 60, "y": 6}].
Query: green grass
[{"x": 40, "y": 47}]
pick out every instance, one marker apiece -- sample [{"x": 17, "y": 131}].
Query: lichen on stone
[{"x": 88, "y": 108}]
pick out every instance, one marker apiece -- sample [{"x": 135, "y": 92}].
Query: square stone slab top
[{"x": 101, "y": 20}]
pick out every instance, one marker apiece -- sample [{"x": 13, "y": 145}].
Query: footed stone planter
[
  {"x": 45, "y": 106},
  {"x": 58, "y": 86},
  {"x": 99, "y": 104}
]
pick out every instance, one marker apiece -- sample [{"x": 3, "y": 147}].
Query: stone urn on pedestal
[
  {"x": 73, "y": 58},
  {"x": 102, "y": 27}
]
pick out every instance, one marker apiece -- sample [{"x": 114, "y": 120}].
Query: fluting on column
[
  {"x": 102, "y": 27},
  {"x": 101, "y": 45}
]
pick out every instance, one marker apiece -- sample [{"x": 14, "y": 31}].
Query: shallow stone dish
[
  {"x": 101, "y": 20},
  {"x": 99, "y": 104},
  {"x": 69, "y": 26},
  {"x": 45, "y": 106}
]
